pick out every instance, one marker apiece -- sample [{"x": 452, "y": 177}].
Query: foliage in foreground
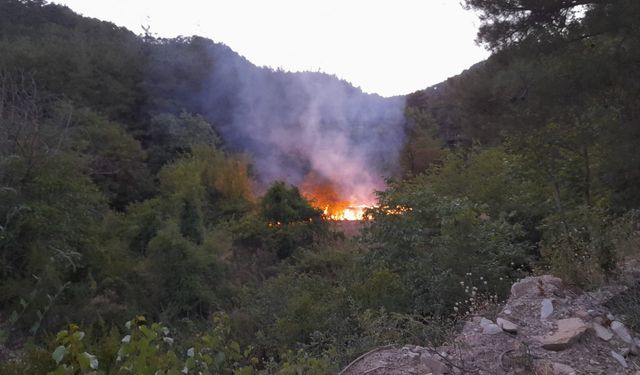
[{"x": 118, "y": 199}]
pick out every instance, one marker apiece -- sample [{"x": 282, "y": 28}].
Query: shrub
[
  {"x": 285, "y": 223},
  {"x": 70, "y": 355},
  {"x": 434, "y": 242},
  {"x": 577, "y": 246}
]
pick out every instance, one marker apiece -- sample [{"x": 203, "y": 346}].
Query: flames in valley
[
  {"x": 351, "y": 213},
  {"x": 322, "y": 194}
]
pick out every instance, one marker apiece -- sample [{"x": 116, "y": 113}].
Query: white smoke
[{"x": 294, "y": 124}]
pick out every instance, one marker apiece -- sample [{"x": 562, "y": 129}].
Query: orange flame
[
  {"x": 322, "y": 194},
  {"x": 351, "y": 213}
]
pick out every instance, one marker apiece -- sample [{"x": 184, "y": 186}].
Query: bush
[
  {"x": 183, "y": 278},
  {"x": 145, "y": 349},
  {"x": 70, "y": 355},
  {"x": 286, "y": 222},
  {"x": 435, "y": 242},
  {"x": 577, "y": 246}
]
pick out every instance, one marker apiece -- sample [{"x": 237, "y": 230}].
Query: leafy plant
[
  {"x": 70, "y": 355},
  {"x": 146, "y": 350},
  {"x": 216, "y": 353}
]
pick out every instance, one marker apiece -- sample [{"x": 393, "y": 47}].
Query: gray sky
[{"x": 385, "y": 47}]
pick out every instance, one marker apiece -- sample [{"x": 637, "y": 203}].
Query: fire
[
  {"x": 351, "y": 213},
  {"x": 322, "y": 194}
]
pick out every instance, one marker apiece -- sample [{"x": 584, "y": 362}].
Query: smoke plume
[{"x": 306, "y": 127}]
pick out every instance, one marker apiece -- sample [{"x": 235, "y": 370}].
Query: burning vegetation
[{"x": 323, "y": 194}]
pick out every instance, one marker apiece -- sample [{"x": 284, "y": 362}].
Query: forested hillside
[{"x": 150, "y": 219}]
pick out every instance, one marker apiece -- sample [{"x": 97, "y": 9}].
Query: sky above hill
[{"x": 384, "y": 47}]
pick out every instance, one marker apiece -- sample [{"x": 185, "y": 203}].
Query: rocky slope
[{"x": 544, "y": 328}]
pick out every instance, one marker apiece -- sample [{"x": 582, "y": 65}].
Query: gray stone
[
  {"x": 507, "y": 325},
  {"x": 554, "y": 368},
  {"x": 434, "y": 365},
  {"x": 536, "y": 287},
  {"x": 635, "y": 348},
  {"x": 562, "y": 369},
  {"x": 621, "y": 331},
  {"x": 546, "y": 309},
  {"x": 620, "y": 359},
  {"x": 569, "y": 331},
  {"x": 411, "y": 355},
  {"x": 489, "y": 327},
  {"x": 602, "y": 332},
  {"x": 582, "y": 314}
]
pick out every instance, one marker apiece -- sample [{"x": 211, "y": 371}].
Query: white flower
[
  {"x": 191, "y": 352},
  {"x": 126, "y": 339}
]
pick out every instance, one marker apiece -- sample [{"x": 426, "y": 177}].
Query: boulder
[
  {"x": 562, "y": 369},
  {"x": 621, "y": 331},
  {"x": 433, "y": 364},
  {"x": 554, "y": 368},
  {"x": 536, "y": 287},
  {"x": 602, "y": 332},
  {"x": 569, "y": 331},
  {"x": 635, "y": 347},
  {"x": 620, "y": 359},
  {"x": 506, "y": 325},
  {"x": 489, "y": 327}
]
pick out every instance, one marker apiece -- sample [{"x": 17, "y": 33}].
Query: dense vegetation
[{"x": 132, "y": 240}]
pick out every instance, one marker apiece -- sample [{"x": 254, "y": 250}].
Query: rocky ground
[{"x": 544, "y": 328}]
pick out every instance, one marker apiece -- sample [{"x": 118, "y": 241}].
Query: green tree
[
  {"x": 422, "y": 149},
  {"x": 51, "y": 209},
  {"x": 436, "y": 242},
  {"x": 507, "y": 22},
  {"x": 183, "y": 278},
  {"x": 116, "y": 161},
  {"x": 284, "y": 204},
  {"x": 172, "y": 137}
]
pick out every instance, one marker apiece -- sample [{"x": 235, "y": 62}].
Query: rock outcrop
[
  {"x": 506, "y": 325},
  {"x": 576, "y": 335},
  {"x": 569, "y": 331}
]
